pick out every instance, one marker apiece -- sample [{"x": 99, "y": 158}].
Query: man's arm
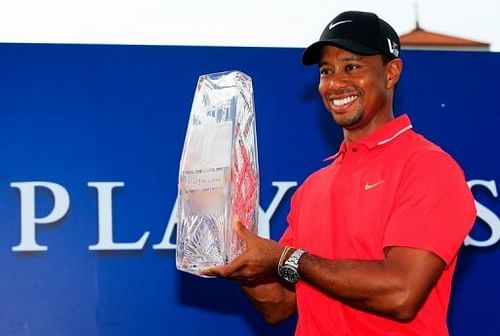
[{"x": 395, "y": 287}]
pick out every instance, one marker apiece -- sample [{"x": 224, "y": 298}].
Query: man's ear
[{"x": 393, "y": 72}]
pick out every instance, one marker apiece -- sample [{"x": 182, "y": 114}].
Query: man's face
[{"x": 354, "y": 88}]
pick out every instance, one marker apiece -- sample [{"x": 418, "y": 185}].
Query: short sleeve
[
  {"x": 434, "y": 209},
  {"x": 287, "y": 238}
]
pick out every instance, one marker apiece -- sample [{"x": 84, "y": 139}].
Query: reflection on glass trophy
[{"x": 218, "y": 175}]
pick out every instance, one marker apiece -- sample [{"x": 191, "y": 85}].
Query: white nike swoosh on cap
[{"x": 332, "y": 25}]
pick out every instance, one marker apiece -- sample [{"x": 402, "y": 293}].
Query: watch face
[{"x": 290, "y": 274}]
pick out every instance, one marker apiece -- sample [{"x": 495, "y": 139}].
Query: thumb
[{"x": 239, "y": 228}]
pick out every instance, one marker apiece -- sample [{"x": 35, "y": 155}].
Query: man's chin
[{"x": 348, "y": 121}]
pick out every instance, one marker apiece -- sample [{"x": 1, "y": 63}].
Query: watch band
[
  {"x": 289, "y": 271},
  {"x": 282, "y": 257},
  {"x": 294, "y": 258}
]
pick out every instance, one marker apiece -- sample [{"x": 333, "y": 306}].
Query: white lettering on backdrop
[
  {"x": 485, "y": 214},
  {"x": 105, "y": 242},
  {"x": 104, "y": 191}
]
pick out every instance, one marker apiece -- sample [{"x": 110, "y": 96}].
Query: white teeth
[{"x": 344, "y": 101}]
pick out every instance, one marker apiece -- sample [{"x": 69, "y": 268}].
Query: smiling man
[{"x": 373, "y": 237}]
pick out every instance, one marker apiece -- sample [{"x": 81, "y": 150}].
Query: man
[{"x": 373, "y": 237}]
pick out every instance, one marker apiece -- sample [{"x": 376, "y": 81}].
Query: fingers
[
  {"x": 253, "y": 262},
  {"x": 230, "y": 270},
  {"x": 217, "y": 271},
  {"x": 221, "y": 273},
  {"x": 236, "y": 268},
  {"x": 211, "y": 271}
]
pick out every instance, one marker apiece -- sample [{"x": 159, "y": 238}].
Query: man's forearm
[{"x": 395, "y": 287}]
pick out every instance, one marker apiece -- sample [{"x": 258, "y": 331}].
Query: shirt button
[{"x": 354, "y": 149}]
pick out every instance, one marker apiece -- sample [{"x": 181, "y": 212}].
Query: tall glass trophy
[{"x": 218, "y": 175}]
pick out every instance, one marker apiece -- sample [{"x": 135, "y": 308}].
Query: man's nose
[{"x": 337, "y": 81}]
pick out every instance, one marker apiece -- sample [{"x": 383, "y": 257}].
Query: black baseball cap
[{"x": 361, "y": 33}]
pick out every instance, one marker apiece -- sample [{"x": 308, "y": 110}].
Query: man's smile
[{"x": 343, "y": 101}]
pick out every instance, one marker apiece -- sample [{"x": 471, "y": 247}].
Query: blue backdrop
[{"x": 90, "y": 131}]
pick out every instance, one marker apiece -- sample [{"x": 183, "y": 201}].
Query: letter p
[{"x": 28, "y": 216}]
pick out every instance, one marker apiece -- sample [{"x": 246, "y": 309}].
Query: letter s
[{"x": 488, "y": 216}]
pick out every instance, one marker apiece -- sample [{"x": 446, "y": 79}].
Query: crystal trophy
[{"x": 219, "y": 174}]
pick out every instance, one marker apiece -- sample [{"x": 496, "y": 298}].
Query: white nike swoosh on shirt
[
  {"x": 369, "y": 186},
  {"x": 332, "y": 25}
]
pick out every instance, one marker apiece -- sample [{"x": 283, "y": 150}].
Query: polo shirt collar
[
  {"x": 387, "y": 132},
  {"x": 381, "y": 136}
]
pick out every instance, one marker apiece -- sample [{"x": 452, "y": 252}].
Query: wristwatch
[{"x": 289, "y": 271}]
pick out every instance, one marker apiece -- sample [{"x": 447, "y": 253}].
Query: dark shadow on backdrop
[{"x": 225, "y": 297}]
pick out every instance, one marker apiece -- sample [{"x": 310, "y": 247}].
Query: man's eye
[
  {"x": 351, "y": 67},
  {"x": 324, "y": 71}
]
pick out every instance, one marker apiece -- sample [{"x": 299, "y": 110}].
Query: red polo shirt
[{"x": 392, "y": 188}]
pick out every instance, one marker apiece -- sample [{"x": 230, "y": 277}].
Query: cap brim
[{"x": 312, "y": 53}]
